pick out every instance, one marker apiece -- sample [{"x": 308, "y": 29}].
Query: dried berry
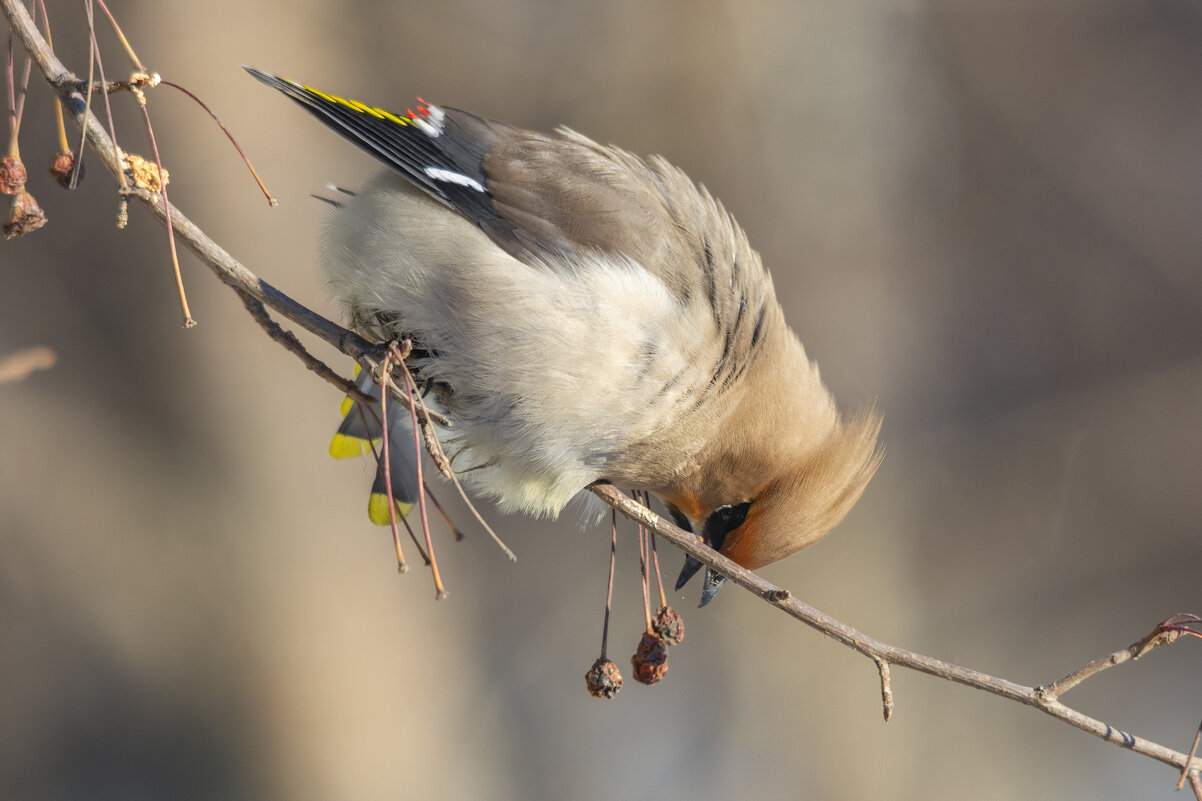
[
  {"x": 12, "y": 175},
  {"x": 62, "y": 166},
  {"x": 650, "y": 661},
  {"x": 24, "y": 215},
  {"x": 604, "y": 679},
  {"x": 669, "y": 625}
]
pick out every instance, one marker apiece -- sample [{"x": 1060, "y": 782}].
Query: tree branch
[
  {"x": 228, "y": 269},
  {"x": 252, "y": 289},
  {"x": 882, "y": 652}
]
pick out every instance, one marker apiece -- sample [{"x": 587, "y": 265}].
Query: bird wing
[
  {"x": 533, "y": 194},
  {"x": 544, "y": 198}
]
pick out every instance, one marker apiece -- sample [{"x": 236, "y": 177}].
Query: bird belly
[{"x": 554, "y": 370}]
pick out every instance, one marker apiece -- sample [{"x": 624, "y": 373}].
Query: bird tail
[{"x": 361, "y": 433}]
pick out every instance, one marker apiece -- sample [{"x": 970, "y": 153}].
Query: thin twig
[
  {"x": 121, "y": 35},
  {"x": 1161, "y": 635},
  {"x": 59, "y": 126},
  {"x": 363, "y": 409},
  {"x": 77, "y": 171},
  {"x": 117, "y": 164},
  {"x": 271, "y": 201},
  {"x": 369, "y": 360},
  {"x": 1181, "y": 623},
  {"x": 437, "y": 447},
  {"x": 459, "y": 535},
  {"x": 440, "y": 592},
  {"x": 644, "y": 576},
  {"x": 24, "y": 93},
  {"x": 609, "y": 587},
  {"x": 154, "y": 146},
  {"x": 387, "y": 462},
  {"x": 659, "y": 579},
  {"x": 14, "y": 121},
  {"x": 1193, "y": 749},
  {"x": 258, "y": 313},
  {"x": 416, "y": 542},
  {"x": 365, "y": 405}
]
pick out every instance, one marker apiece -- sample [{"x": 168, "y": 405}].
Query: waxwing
[{"x": 581, "y": 314}]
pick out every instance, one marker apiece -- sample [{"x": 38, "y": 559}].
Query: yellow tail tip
[
  {"x": 377, "y": 509},
  {"x": 343, "y": 446}
]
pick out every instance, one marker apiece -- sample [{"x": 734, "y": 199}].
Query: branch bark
[{"x": 248, "y": 285}]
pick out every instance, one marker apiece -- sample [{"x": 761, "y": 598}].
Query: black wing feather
[{"x": 406, "y": 145}]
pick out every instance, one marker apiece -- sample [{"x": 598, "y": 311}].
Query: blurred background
[{"x": 982, "y": 217}]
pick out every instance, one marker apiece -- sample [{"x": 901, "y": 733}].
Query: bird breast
[{"x": 559, "y": 374}]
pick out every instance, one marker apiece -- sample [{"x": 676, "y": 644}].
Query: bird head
[{"x": 803, "y": 498}]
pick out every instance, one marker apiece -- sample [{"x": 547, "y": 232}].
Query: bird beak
[
  {"x": 713, "y": 534},
  {"x": 718, "y": 525},
  {"x": 713, "y": 583},
  {"x": 691, "y": 566}
]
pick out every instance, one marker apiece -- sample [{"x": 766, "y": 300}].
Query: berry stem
[
  {"x": 396, "y": 532},
  {"x": 440, "y": 591},
  {"x": 609, "y": 590}
]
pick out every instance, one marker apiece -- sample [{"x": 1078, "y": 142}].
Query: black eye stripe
[
  {"x": 678, "y": 517},
  {"x": 726, "y": 519}
]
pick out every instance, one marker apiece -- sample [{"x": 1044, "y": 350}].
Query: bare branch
[
  {"x": 1164, "y": 633},
  {"x": 288, "y": 339},
  {"x": 874, "y": 649}
]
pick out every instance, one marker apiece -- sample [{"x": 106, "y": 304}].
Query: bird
[{"x": 582, "y": 314}]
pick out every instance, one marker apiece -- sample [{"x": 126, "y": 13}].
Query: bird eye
[
  {"x": 722, "y": 521},
  {"x": 733, "y": 516}
]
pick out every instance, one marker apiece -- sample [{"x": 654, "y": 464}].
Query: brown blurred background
[{"x": 984, "y": 217}]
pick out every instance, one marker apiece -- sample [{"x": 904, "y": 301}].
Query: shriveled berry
[
  {"x": 669, "y": 625},
  {"x": 12, "y": 175},
  {"x": 62, "y": 166},
  {"x": 24, "y": 215},
  {"x": 650, "y": 661},
  {"x": 604, "y": 679}
]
